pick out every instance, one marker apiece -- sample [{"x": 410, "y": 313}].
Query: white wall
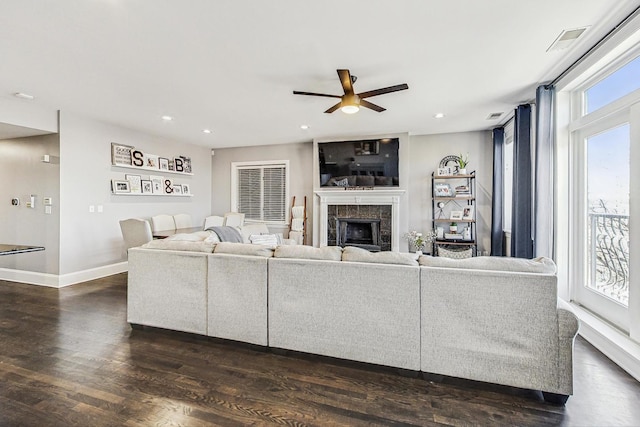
[
  {"x": 92, "y": 240},
  {"x": 426, "y": 153},
  {"x": 300, "y": 158},
  {"x": 22, "y": 174}
]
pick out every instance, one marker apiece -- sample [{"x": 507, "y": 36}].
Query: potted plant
[
  {"x": 463, "y": 161},
  {"x": 453, "y": 228},
  {"x": 417, "y": 241}
]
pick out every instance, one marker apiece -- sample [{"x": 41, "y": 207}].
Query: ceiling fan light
[{"x": 350, "y": 109}]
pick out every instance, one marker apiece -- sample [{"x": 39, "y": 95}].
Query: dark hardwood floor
[{"x": 68, "y": 358}]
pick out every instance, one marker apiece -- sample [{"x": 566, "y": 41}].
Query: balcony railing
[{"x": 609, "y": 255}]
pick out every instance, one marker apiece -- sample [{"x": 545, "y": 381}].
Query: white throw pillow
[{"x": 270, "y": 240}]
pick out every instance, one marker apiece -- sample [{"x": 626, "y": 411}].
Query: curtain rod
[{"x": 606, "y": 37}]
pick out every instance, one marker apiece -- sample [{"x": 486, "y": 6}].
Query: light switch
[{"x": 47, "y": 210}]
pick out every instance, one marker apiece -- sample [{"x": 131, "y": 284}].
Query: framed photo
[
  {"x": 366, "y": 148},
  {"x": 186, "y": 189},
  {"x": 156, "y": 184},
  {"x": 167, "y": 185},
  {"x": 121, "y": 154},
  {"x": 119, "y": 187},
  {"x": 442, "y": 189},
  {"x": 163, "y": 164},
  {"x": 147, "y": 186},
  {"x": 186, "y": 161},
  {"x": 135, "y": 183},
  {"x": 443, "y": 172},
  {"x": 467, "y": 213},
  {"x": 177, "y": 189},
  {"x": 151, "y": 161},
  {"x": 455, "y": 215}
]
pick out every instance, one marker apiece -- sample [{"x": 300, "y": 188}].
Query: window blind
[{"x": 262, "y": 192}]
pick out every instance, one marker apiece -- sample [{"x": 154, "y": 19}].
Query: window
[
  {"x": 617, "y": 84},
  {"x": 260, "y": 190}
]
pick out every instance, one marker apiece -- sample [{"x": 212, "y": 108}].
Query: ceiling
[{"x": 231, "y": 65}]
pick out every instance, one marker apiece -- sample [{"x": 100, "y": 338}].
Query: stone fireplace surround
[{"x": 346, "y": 222}]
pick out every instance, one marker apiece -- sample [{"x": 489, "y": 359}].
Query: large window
[
  {"x": 260, "y": 190},
  {"x": 601, "y": 185}
]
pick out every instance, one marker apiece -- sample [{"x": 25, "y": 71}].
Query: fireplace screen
[{"x": 361, "y": 232}]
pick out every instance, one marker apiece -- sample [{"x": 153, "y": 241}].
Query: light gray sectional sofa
[{"x": 489, "y": 319}]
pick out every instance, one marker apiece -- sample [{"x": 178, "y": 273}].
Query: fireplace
[{"x": 360, "y": 232}]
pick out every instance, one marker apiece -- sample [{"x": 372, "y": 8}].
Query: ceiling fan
[{"x": 351, "y": 102}]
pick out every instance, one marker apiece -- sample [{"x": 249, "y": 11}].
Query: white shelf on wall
[
  {"x": 147, "y": 168},
  {"x": 151, "y": 194}
]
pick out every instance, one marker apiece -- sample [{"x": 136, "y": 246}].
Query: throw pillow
[
  {"x": 354, "y": 254},
  {"x": 331, "y": 253},
  {"x": 540, "y": 265},
  {"x": 270, "y": 240}
]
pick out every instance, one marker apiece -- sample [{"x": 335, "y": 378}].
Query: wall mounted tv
[{"x": 363, "y": 163}]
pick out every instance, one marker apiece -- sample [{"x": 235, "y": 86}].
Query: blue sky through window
[{"x": 623, "y": 81}]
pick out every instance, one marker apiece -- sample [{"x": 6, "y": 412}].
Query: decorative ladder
[{"x": 298, "y": 223}]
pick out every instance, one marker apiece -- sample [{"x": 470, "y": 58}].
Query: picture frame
[
  {"x": 366, "y": 148},
  {"x": 163, "y": 163},
  {"x": 443, "y": 172},
  {"x": 120, "y": 186},
  {"x": 135, "y": 183},
  {"x": 156, "y": 184},
  {"x": 456, "y": 215},
  {"x": 146, "y": 186},
  {"x": 186, "y": 164},
  {"x": 177, "y": 189},
  {"x": 467, "y": 213},
  {"x": 186, "y": 189},
  {"x": 151, "y": 161},
  {"x": 443, "y": 189},
  {"x": 121, "y": 154}
]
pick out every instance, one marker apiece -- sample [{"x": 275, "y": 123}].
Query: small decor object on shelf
[
  {"x": 463, "y": 161},
  {"x": 442, "y": 189},
  {"x": 156, "y": 183},
  {"x": 163, "y": 163},
  {"x": 453, "y": 228},
  {"x": 451, "y": 163},
  {"x": 119, "y": 187},
  {"x": 467, "y": 213},
  {"x": 168, "y": 185},
  {"x": 147, "y": 186},
  {"x": 135, "y": 182},
  {"x": 121, "y": 154},
  {"x": 457, "y": 215},
  {"x": 177, "y": 189},
  {"x": 186, "y": 189},
  {"x": 443, "y": 171}
]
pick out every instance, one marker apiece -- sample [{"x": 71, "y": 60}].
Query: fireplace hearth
[{"x": 360, "y": 232}]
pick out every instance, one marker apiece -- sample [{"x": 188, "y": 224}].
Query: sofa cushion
[
  {"x": 198, "y": 236},
  {"x": 181, "y": 245},
  {"x": 243, "y": 249},
  {"x": 365, "y": 180},
  {"x": 332, "y": 253},
  {"x": 541, "y": 265},
  {"x": 353, "y": 254}
]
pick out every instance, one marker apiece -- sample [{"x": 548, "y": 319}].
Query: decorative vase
[
  {"x": 418, "y": 253},
  {"x": 462, "y": 171},
  {"x": 453, "y": 228}
]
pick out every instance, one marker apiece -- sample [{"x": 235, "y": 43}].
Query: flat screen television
[{"x": 362, "y": 163}]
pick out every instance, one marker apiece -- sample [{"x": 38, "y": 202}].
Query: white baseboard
[
  {"x": 612, "y": 342},
  {"x": 59, "y": 281}
]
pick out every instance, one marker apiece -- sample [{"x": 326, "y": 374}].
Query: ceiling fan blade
[
  {"x": 296, "y": 92},
  {"x": 364, "y": 103},
  {"x": 383, "y": 90},
  {"x": 334, "y": 108},
  {"x": 347, "y": 83}
]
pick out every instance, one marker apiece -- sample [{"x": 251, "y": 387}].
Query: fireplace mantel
[{"x": 360, "y": 197}]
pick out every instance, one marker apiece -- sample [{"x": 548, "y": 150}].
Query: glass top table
[{"x": 18, "y": 249}]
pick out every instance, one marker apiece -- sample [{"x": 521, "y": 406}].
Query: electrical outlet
[
  {"x": 92, "y": 208},
  {"x": 15, "y": 201},
  {"x": 100, "y": 209},
  {"x": 48, "y": 201},
  {"x": 47, "y": 210}
]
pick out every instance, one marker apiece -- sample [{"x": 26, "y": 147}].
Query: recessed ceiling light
[
  {"x": 438, "y": 116},
  {"x": 167, "y": 118},
  {"x": 206, "y": 130},
  {"x": 304, "y": 127},
  {"x": 23, "y": 95}
]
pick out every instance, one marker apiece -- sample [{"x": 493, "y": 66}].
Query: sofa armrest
[{"x": 568, "y": 323}]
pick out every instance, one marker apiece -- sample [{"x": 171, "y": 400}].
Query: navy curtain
[
  {"x": 544, "y": 177},
  {"x": 521, "y": 213},
  {"x": 497, "y": 207}
]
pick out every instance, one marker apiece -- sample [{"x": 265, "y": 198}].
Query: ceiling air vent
[
  {"x": 565, "y": 38},
  {"x": 494, "y": 116}
]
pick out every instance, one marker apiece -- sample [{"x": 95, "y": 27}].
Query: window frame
[{"x": 259, "y": 164}]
